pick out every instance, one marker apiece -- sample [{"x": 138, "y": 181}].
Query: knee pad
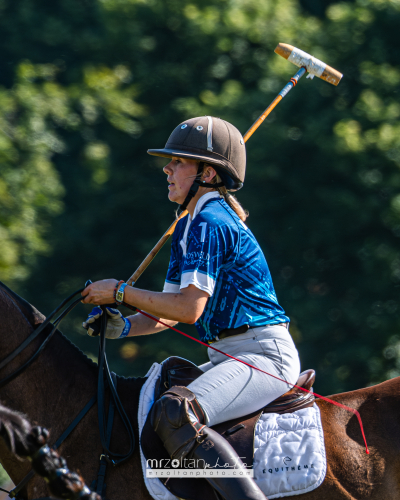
[{"x": 170, "y": 419}]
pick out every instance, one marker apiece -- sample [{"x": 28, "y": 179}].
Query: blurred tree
[
  {"x": 89, "y": 86},
  {"x": 4, "y": 478}
]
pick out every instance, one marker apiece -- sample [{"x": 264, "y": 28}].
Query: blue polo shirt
[{"x": 217, "y": 253}]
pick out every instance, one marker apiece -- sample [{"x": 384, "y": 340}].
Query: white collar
[
  {"x": 201, "y": 201},
  {"x": 199, "y": 205}
]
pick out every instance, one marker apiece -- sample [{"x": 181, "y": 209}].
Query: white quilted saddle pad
[
  {"x": 289, "y": 450},
  {"x": 289, "y": 453}
]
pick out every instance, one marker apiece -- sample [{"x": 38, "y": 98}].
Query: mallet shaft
[
  {"x": 136, "y": 275},
  {"x": 293, "y": 81}
]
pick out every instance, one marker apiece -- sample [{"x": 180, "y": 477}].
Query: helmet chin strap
[{"x": 195, "y": 187}]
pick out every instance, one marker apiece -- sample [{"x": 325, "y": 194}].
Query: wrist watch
[{"x": 119, "y": 296}]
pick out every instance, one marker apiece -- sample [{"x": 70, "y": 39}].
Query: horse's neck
[
  {"x": 54, "y": 389},
  {"x": 45, "y": 386}
]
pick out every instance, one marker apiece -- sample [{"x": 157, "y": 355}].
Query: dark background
[{"x": 86, "y": 87}]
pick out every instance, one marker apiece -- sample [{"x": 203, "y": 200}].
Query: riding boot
[{"x": 183, "y": 438}]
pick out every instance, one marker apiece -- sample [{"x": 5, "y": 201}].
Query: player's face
[{"x": 181, "y": 173}]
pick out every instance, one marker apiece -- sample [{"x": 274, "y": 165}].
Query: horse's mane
[
  {"x": 26, "y": 441},
  {"x": 35, "y": 318}
]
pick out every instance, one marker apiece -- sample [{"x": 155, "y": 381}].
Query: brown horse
[{"x": 57, "y": 386}]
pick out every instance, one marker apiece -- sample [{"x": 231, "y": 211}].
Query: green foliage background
[{"x": 86, "y": 87}]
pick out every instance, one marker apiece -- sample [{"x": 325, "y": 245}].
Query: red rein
[{"x": 270, "y": 374}]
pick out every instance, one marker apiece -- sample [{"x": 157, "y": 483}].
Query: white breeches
[{"x": 229, "y": 389}]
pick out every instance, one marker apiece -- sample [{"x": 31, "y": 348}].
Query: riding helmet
[{"x": 213, "y": 141}]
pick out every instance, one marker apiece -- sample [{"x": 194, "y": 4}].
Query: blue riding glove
[{"x": 117, "y": 326}]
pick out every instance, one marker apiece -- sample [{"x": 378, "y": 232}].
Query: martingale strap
[{"x": 98, "y": 484}]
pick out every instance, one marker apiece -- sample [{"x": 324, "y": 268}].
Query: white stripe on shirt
[
  {"x": 171, "y": 288},
  {"x": 199, "y": 280}
]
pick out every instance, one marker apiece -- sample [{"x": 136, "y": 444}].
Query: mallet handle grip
[{"x": 136, "y": 275}]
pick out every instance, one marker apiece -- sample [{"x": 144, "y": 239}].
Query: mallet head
[{"x": 313, "y": 65}]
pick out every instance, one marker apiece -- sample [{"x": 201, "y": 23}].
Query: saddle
[{"x": 238, "y": 432}]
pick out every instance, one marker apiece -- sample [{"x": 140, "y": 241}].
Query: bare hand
[{"x": 100, "y": 292}]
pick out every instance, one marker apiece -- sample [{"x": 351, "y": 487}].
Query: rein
[
  {"x": 105, "y": 430},
  {"x": 105, "y": 379}
]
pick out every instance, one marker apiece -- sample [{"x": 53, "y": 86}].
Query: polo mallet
[{"x": 307, "y": 63}]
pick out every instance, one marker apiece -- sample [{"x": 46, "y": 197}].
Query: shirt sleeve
[{"x": 206, "y": 253}]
